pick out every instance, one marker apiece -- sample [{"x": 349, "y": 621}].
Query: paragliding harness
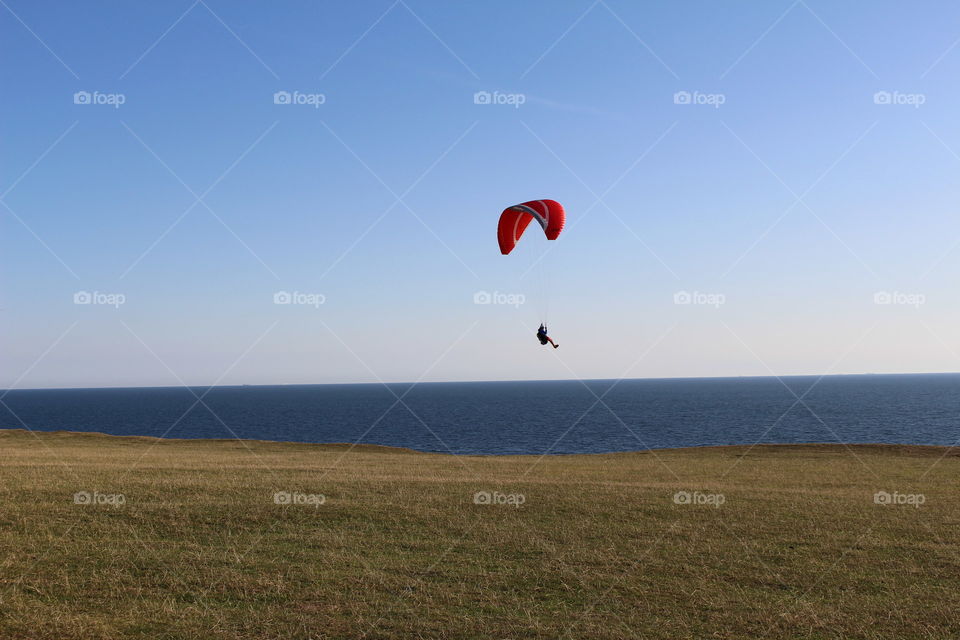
[{"x": 542, "y": 334}]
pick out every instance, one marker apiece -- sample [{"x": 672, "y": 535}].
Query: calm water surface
[{"x": 521, "y": 417}]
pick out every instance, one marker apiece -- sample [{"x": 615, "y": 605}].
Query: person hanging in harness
[{"x": 544, "y": 338}]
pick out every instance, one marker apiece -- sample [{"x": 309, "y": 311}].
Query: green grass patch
[{"x": 107, "y": 537}]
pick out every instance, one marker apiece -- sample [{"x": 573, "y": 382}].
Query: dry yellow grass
[{"x": 185, "y": 539}]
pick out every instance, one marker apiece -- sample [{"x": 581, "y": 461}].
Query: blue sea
[{"x": 558, "y": 417}]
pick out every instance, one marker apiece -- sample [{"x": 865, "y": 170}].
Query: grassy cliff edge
[{"x": 115, "y": 537}]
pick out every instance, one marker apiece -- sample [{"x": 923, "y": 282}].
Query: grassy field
[{"x": 105, "y": 537}]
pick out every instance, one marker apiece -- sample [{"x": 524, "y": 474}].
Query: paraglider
[
  {"x": 543, "y": 337},
  {"x": 514, "y": 221}
]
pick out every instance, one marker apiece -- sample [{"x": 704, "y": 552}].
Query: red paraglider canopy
[{"x": 514, "y": 221}]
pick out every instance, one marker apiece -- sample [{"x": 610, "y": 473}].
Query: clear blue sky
[{"x": 797, "y": 199}]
